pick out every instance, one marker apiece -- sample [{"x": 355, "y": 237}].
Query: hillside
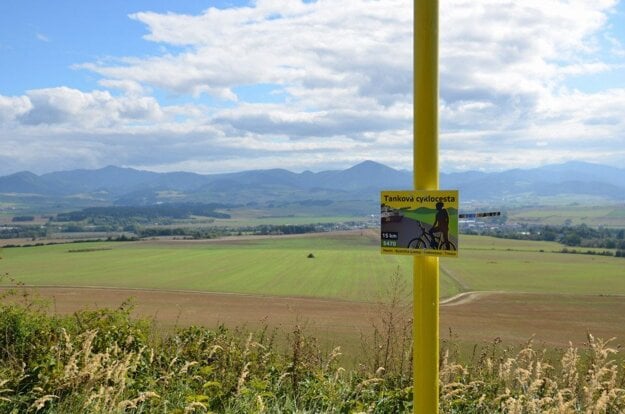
[{"x": 358, "y": 184}]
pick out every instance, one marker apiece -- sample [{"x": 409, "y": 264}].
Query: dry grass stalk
[
  {"x": 40, "y": 403},
  {"x": 195, "y": 407}
]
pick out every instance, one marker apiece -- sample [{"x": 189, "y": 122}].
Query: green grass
[
  {"x": 104, "y": 361},
  {"x": 7, "y": 209},
  {"x": 604, "y": 215},
  {"x": 488, "y": 263},
  {"x": 345, "y": 267},
  {"x": 471, "y": 243}
]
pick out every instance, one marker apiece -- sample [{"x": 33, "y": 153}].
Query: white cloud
[
  {"x": 13, "y": 106},
  {"x": 127, "y": 86},
  {"x": 616, "y": 45},
  {"x": 324, "y": 45},
  {"x": 43, "y": 38},
  {"x": 78, "y": 110},
  {"x": 345, "y": 69}
]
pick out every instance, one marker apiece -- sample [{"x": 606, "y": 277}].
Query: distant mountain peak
[
  {"x": 113, "y": 168},
  {"x": 23, "y": 174},
  {"x": 364, "y": 179},
  {"x": 367, "y": 162},
  {"x": 369, "y": 165}
]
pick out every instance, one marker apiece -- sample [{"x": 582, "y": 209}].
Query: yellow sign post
[
  {"x": 410, "y": 219},
  {"x": 425, "y": 167}
]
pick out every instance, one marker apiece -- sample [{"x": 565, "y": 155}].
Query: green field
[
  {"x": 7, "y": 209},
  {"x": 594, "y": 216},
  {"x": 251, "y": 220},
  {"x": 526, "y": 266},
  {"x": 346, "y": 266}
]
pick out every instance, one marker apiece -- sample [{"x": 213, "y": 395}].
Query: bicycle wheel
[
  {"x": 452, "y": 246},
  {"x": 416, "y": 243}
]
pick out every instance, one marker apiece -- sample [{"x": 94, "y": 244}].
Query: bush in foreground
[
  {"x": 574, "y": 381},
  {"x": 107, "y": 362}
]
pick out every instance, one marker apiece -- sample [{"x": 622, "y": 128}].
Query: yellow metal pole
[{"x": 425, "y": 160}]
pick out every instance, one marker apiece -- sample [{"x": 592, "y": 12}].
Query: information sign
[{"x": 419, "y": 222}]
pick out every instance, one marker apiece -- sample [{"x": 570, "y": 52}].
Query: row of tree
[
  {"x": 580, "y": 235},
  {"x": 214, "y": 231},
  {"x": 178, "y": 211},
  {"x": 22, "y": 232}
]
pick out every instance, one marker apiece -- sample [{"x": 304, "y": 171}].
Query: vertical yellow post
[{"x": 425, "y": 160}]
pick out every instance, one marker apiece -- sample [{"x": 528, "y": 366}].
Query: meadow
[
  {"x": 602, "y": 214},
  {"x": 491, "y": 264},
  {"x": 513, "y": 288},
  {"x": 346, "y": 266},
  {"x": 284, "y": 332}
]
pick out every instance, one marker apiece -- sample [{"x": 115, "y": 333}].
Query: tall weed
[{"x": 105, "y": 361}]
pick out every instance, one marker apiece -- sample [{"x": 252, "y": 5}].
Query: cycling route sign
[{"x": 419, "y": 222}]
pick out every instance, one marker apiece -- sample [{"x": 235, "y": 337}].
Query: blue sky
[
  {"x": 214, "y": 86},
  {"x": 42, "y": 40}
]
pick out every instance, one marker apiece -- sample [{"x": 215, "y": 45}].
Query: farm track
[
  {"x": 470, "y": 316},
  {"x": 465, "y": 298}
]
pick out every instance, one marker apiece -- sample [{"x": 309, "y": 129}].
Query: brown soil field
[
  {"x": 553, "y": 320},
  {"x": 477, "y": 317}
]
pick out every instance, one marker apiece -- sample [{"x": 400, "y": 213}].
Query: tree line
[
  {"x": 581, "y": 236},
  {"x": 176, "y": 211}
]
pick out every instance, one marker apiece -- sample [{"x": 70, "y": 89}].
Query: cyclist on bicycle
[{"x": 441, "y": 225}]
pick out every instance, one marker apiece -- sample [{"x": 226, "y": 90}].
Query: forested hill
[{"x": 127, "y": 186}]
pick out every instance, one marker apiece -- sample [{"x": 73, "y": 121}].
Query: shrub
[{"x": 105, "y": 361}]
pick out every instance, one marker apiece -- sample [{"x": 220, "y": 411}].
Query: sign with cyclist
[{"x": 419, "y": 222}]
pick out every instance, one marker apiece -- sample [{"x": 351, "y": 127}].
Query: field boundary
[
  {"x": 458, "y": 299},
  {"x": 183, "y": 291},
  {"x": 463, "y": 287}
]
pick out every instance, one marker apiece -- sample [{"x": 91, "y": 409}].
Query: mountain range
[{"x": 126, "y": 186}]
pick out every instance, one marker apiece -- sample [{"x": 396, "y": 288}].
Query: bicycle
[{"x": 428, "y": 241}]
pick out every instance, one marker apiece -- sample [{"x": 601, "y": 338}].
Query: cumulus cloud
[
  {"x": 323, "y": 45},
  {"x": 345, "y": 72},
  {"x": 129, "y": 87},
  {"x": 76, "y": 109},
  {"x": 12, "y": 107},
  {"x": 272, "y": 120}
]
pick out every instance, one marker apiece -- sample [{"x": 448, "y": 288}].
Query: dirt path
[{"x": 465, "y": 298}]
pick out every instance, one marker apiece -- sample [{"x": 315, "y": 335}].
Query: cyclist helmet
[{"x": 439, "y": 205}]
